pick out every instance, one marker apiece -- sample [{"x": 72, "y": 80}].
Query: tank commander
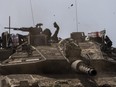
[
  {"x": 54, "y": 38},
  {"x": 108, "y": 41},
  {"x": 48, "y": 33}
]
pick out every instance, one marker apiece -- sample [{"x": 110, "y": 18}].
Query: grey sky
[{"x": 92, "y": 15}]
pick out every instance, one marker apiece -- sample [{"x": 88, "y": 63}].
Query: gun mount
[{"x": 37, "y": 36}]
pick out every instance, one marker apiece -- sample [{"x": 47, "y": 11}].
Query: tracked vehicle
[{"x": 71, "y": 62}]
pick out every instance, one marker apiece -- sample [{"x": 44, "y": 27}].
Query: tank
[{"x": 70, "y": 62}]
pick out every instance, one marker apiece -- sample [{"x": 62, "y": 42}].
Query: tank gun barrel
[
  {"x": 74, "y": 56},
  {"x": 80, "y": 66}
]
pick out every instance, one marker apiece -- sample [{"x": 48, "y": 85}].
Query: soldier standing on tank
[
  {"x": 48, "y": 33},
  {"x": 54, "y": 38}
]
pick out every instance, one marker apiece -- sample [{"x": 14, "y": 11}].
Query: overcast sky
[{"x": 92, "y": 15}]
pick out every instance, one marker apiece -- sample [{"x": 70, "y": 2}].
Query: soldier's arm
[
  {"x": 56, "y": 25},
  {"x": 57, "y": 29},
  {"x": 55, "y": 35}
]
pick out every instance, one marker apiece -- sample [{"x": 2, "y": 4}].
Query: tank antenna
[
  {"x": 9, "y": 24},
  {"x": 76, "y": 15},
  {"x": 32, "y": 13}
]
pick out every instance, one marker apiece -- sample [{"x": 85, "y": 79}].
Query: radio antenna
[
  {"x": 32, "y": 12},
  {"x": 76, "y": 15},
  {"x": 9, "y": 24}
]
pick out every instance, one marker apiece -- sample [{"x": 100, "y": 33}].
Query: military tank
[{"x": 44, "y": 62}]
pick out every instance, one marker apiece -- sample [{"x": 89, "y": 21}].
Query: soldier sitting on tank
[
  {"x": 48, "y": 33},
  {"x": 107, "y": 46},
  {"x": 54, "y": 38},
  {"x": 108, "y": 42}
]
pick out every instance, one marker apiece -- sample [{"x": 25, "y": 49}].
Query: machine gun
[
  {"x": 23, "y": 28},
  {"x": 39, "y": 24}
]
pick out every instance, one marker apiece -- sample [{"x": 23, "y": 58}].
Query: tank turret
[
  {"x": 69, "y": 63},
  {"x": 73, "y": 53}
]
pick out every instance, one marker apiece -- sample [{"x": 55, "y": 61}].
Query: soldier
[
  {"x": 108, "y": 41},
  {"x": 48, "y": 33},
  {"x": 0, "y": 42},
  {"x": 53, "y": 38}
]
